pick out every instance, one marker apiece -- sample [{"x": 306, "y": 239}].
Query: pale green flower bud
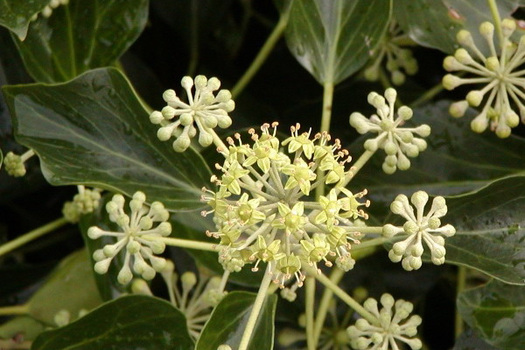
[
  {"x": 458, "y": 109},
  {"x": 450, "y": 82},
  {"x": 474, "y": 98},
  {"x": 508, "y": 26}
]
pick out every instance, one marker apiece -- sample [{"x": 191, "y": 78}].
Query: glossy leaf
[
  {"x": 15, "y": 15},
  {"x": 131, "y": 322},
  {"x": 94, "y": 131},
  {"x": 456, "y": 161},
  {"x": 435, "y": 23},
  {"x": 497, "y": 312},
  {"x": 228, "y": 322},
  {"x": 490, "y": 227},
  {"x": 61, "y": 291},
  {"x": 80, "y": 36},
  {"x": 333, "y": 39}
]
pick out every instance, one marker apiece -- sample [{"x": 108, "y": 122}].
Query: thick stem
[
  {"x": 184, "y": 243},
  {"x": 335, "y": 277},
  {"x": 309, "y": 303},
  {"x": 31, "y": 235},
  {"x": 256, "y": 309},
  {"x": 343, "y": 295},
  {"x": 328, "y": 97},
  {"x": 265, "y": 51},
  {"x": 461, "y": 281},
  {"x": 497, "y": 19},
  {"x": 14, "y": 310}
]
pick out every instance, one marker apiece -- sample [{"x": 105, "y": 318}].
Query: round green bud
[
  {"x": 156, "y": 117},
  {"x": 371, "y": 73},
  {"x": 458, "y": 109},
  {"x": 101, "y": 267},
  {"x": 224, "y": 121},
  {"x": 464, "y": 38},
  {"x": 405, "y": 112},
  {"x": 492, "y": 63},
  {"x": 182, "y": 143},
  {"x": 398, "y": 78},
  {"x": 487, "y": 30},
  {"x": 474, "y": 98},
  {"x": 170, "y": 96},
  {"x": 403, "y": 163},
  {"x": 205, "y": 138},
  {"x": 168, "y": 112},
  {"x": 186, "y": 119},
  {"x": 479, "y": 124},
  {"x": 450, "y": 82},
  {"x": 186, "y": 82},
  {"x": 508, "y": 26},
  {"x": 214, "y": 84},
  {"x": 512, "y": 119},
  {"x": 164, "y": 133},
  {"x": 125, "y": 275},
  {"x": 94, "y": 232},
  {"x": 223, "y": 96},
  {"x": 503, "y": 131}
]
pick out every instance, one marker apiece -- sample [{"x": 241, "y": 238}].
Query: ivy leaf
[
  {"x": 497, "y": 312},
  {"x": 333, "y": 39},
  {"x": 490, "y": 233},
  {"x": 94, "y": 131},
  {"x": 15, "y": 15},
  {"x": 80, "y": 36},
  {"x": 435, "y": 24},
  {"x": 469, "y": 341},
  {"x": 228, "y": 322},
  {"x": 130, "y": 322}
]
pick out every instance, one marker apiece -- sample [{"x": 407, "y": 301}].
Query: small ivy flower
[
  {"x": 48, "y": 9},
  {"x": 419, "y": 228},
  {"x": 14, "y": 163},
  {"x": 203, "y": 112},
  {"x": 399, "y": 60},
  {"x": 138, "y": 238},
  {"x": 397, "y": 142},
  {"x": 84, "y": 202},
  {"x": 501, "y": 73},
  {"x": 392, "y": 324},
  {"x": 261, "y": 211}
]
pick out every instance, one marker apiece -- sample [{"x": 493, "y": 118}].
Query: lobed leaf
[
  {"x": 333, "y": 39},
  {"x": 94, "y": 131},
  {"x": 130, "y": 322},
  {"x": 80, "y": 36},
  {"x": 228, "y": 322},
  {"x": 497, "y": 313}
]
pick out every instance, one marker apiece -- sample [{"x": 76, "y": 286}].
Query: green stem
[
  {"x": 184, "y": 243},
  {"x": 336, "y": 276},
  {"x": 328, "y": 97},
  {"x": 263, "y": 54},
  {"x": 461, "y": 281},
  {"x": 365, "y": 157},
  {"x": 14, "y": 310},
  {"x": 497, "y": 19},
  {"x": 256, "y": 309},
  {"x": 343, "y": 295},
  {"x": 218, "y": 142},
  {"x": 310, "y": 304},
  {"x": 428, "y": 95},
  {"x": 31, "y": 235}
]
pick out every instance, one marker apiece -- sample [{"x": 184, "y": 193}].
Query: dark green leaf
[
  {"x": 497, "y": 312},
  {"x": 435, "y": 24},
  {"x": 130, "y": 322},
  {"x": 81, "y": 36},
  {"x": 333, "y": 39},
  {"x": 228, "y": 321},
  {"x": 94, "y": 131},
  {"x": 456, "y": 161},
  {"x": 15, "y": 15},
  {"x": 61, "y": 291},
  {"x": 490, "y": 230}
]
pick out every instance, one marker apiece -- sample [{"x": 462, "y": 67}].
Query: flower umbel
[
  {"x": 137, "y": 238},
  {"x": 84, "y": 202},
  {"x": 397, "y": 142},
  {"x": 392, "y": 325},
  {"x": 262, "y": 213},
  {"x": 204, "y": 111},
  {"x": 419, "y": 228},
  {"x": 500, "y": 72}
]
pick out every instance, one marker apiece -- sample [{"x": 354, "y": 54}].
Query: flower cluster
[
  {"x": 261, "y": 209},
  {"x": 397, "y": 142},
  {"x": 398, "y": 58},
  {"x": 419, "y": 228},
  {"x": 500, "y": 71},
  {"x": 203, "y": 112},
  {"x": 138, "y": 238},
  {"x": 14, "y": 164},
  {"x": 84, "y": 202},
  {"x": 388, "y": 327}
]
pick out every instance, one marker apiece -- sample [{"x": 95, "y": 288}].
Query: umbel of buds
[
  {"x": 262, "y": 208},
  {"x": 204, "y": 111},
  {"x": 398, "y": 142},
  {"x": 138, "y": 238},
  {"x": 501, "y": 97}
]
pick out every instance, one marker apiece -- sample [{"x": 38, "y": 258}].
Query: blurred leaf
[
  {"x": 468, "y": 340},
  {"x": 94, "y": 131},
  {"x": 228, "y": 322},
  {"x": 80, "y": 36},
  {"x": 62, "y": 290},
  {"x": 490, "y": 227},
  {"x": 15, "y": 15},
  {"x": 435, "y": 23},
  {"x": 456, "y": 161},
  {"x": 497, "y": 312},
  {"x": 333, "y": 39},
  {"x": 133, "y": 322},
  {"x": 24, "y": 325}
]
